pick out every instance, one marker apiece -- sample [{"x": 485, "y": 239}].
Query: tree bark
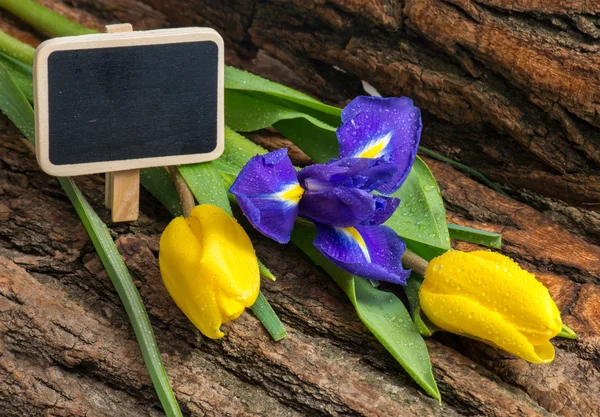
[
  {"x": 509, "y": 88},
  {"x": 66, "y": 347}
]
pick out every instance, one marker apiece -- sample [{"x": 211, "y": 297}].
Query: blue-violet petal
[
  {"x": 363, "y": 173},
  {"x": 339, "y": 206},
  {"x": 384, "y": 208},
  {"x": 372, "y": 252},
  {"x": 268, "y": 192},
  {"x": 376, "y": 127}
]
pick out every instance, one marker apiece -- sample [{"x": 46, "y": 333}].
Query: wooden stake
[
  {"x": 122, "y": 187},
  {"x": 125, "y": 195}
]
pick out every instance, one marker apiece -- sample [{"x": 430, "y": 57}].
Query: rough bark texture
[{"x": 511, "y": 88}]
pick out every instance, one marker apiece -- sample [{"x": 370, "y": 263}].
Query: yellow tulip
[
  {"x": 209, "y": 267},
  {"x": 487, "y": 296}
]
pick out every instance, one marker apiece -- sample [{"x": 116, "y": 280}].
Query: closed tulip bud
[
  {"x": 487, "y": 296},
  {"x": 209, "y": 267}
]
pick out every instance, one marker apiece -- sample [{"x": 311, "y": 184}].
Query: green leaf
[
  {"x": 567, "y": 333},
  {"x": 158, "y": 181},
  {"x": 236, "y": 79},
  {"x": 18, "y": 66},
  {"x": 205, "y": 183},
  {"x": 319, "y": 143},
  {"x": 123, "y": 283},
  {"x": 238, "y": 150},
  {"x": 267, "y": 316},
  {"x": 424, "y": 326},
  {"x": 426, "y": 252},
  {"x": 15, "y": 106},
  {"x": 421, "y": 216},
  {"x": 246, "y": 112},
  {"x": 20, "y": 73},
  {"x": 480, "y": 237},
  {"x": 382, "y": 312}
]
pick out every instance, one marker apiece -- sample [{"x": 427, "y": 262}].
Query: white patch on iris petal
[
  {"x": 290, "y": 195},
  {"x": 317, "y": 185},
  {"x": 375, "y": 147},
  {"x": 353, "y": 234}
]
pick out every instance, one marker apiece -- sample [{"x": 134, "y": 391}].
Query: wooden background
[{"x": 508, "y": 88}]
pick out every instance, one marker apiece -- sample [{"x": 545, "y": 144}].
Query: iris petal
[
  {"x": 363, "y": 173},
  {"x": 375, "y": 127},
  {"x": 384, "y": 208},
  {"x": 371, "y": 252},
  {"x": 268, "y": 192},
  {"x": 338, "y": 206}
]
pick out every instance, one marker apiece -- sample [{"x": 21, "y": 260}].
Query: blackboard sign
[{"x": 120, "y": 101}]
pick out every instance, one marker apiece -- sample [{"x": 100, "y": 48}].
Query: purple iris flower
[{"x": 378, "y": 142}]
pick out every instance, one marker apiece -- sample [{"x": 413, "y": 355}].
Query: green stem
[
  {"x": 414, "y": 262},
  {"x": 567, "y": 333},
  {"x": 43, "y": 18},
  {"x": 16, "y": 49}
]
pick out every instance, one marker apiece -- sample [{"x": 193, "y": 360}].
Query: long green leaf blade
[
  {"x": 15, "y": 106},
  {"x": 158, "y": 181},
  {"x": 421, "y": 216},
  {"x": 480, "y": 237},
  {"x": 205, "y": 183},
  {"x": 236, "y": 79},
  {"x": 123, "y": 283},
  {"x": 247, "y": 112},
  {"x": 20, "y": 73},
  {"x": 382, "y": 312},
  {"x": 267, "y": 316}
]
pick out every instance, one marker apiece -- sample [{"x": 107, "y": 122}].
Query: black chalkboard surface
[{"x": 112, "y": 103}]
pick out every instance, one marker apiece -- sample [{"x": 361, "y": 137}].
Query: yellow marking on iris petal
[
  {"x": 291, "y": 194},
  {"x": 359, "y": 239},
  {"x": 373, "y": 149}
]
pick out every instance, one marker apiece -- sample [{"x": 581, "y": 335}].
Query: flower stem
[
  {"x": 43, "y": 18},
  {"x": 414, "y": 262},
  {"x": 16, "y": 49},
  {"x": 185, "y": 195}
]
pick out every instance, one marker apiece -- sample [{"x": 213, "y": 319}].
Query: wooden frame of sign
[{"x": 125, "y": 100}]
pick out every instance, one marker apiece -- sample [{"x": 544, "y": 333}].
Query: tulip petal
[
  {"x": 363, "y": 173},
  {"x": 268, "y": 192},
  {"x": 375, "y": 127},
  {"x": 339, "y": 206},
  {"x": 227, "y": 255},
  {"x": 463, "y": 316},
  {"x": 496, "y": 281},
  {"x": 181, "y": 270},
  {"x": 371, "y": 252}
]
